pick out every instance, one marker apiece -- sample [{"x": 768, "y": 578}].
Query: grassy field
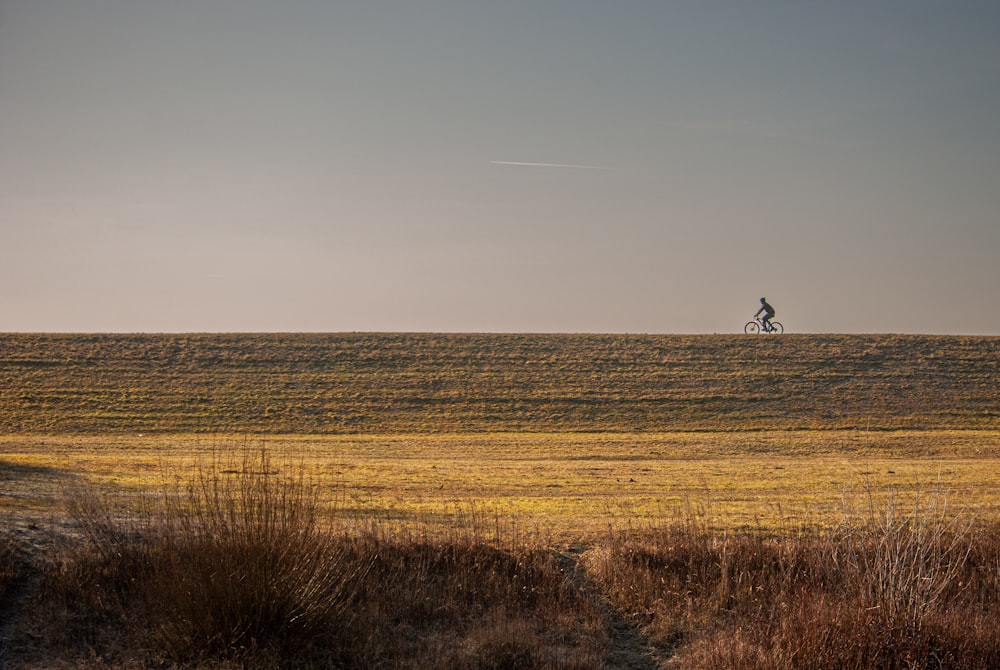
[
  {"x": 567, "y": 431},
  {"x": 564, "y": 501},
  {"x": 400, "y": 383},
  {"x": 564, "y": 487}
]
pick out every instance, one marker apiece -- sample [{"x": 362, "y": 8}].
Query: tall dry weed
[
  {"x": 904, "y": 558},
  {"x": 232, "y": 563},
  {"x": 238, "y": 561}
]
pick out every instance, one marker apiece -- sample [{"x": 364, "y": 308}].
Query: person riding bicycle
[{"x": 768, "y": 314}]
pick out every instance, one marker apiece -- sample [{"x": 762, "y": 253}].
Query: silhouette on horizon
[{"x": 768, "y": 314}]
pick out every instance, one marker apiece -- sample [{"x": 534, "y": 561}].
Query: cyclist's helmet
[{"x": 763, "y": 299}]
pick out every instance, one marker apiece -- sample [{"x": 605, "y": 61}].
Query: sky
[{"x": 639, "y": 166}]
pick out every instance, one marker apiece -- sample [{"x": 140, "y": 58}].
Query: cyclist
[{"x": 768, "y": 314}]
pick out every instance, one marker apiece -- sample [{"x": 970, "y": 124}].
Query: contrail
[{"x": 552, "y": 165}]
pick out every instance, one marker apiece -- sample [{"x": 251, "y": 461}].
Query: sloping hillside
[{"x": 386, "y": 383}]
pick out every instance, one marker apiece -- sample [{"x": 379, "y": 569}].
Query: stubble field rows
[{"x": 413, "y": 383}]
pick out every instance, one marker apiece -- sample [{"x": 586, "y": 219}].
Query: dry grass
[
  {"x": 887, "y": 589},
  {"x": 403, "y": 517},
  {"x": 13, "y": 567},
  {"x": 459, "y": 603},
  {"x": 566, "y": 487},
  {"x": 232, "y": 568},
  {"x": 419, "y": 383}
]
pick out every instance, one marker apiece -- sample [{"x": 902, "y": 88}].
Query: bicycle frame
[{"x": 757, "y": 326}]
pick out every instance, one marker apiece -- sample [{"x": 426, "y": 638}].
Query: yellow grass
[{"x": 564, "y": 487}]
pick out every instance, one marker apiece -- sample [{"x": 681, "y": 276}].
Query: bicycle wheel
[
  {"x": 752, "y": 328},
  {"x": 777, "y": 328}
]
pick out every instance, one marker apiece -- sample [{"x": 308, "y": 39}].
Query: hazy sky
[{"x": 538, "y": 165}]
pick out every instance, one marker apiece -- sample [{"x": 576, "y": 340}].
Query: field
[
  {"x": 583, "y": 445},
  {"x": 390, "y": 384},
  {"x": 568, "y": 431},
  {"x": 565, "y": 488}
]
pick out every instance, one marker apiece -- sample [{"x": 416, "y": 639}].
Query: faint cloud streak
[{"x": 551, "y": 165}]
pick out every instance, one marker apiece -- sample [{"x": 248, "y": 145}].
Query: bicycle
[{"x": 757, "y": 326}]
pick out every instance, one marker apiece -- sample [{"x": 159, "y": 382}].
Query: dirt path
[
  {"x": 10, "y": 610},
  {"x": 629, "y": 648},
  {"x": 27, "y": 541},
  {"x": 19, "y": 582}
]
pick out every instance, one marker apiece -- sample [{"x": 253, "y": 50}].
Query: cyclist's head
[{"x": 763, "y": 299}]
